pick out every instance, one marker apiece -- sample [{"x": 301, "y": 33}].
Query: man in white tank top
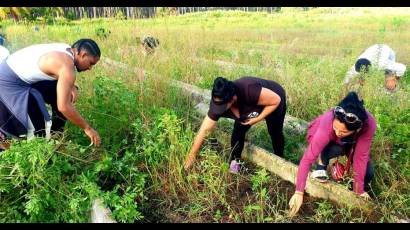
[
  {"x": 50, "y": 70},
  {"x": 381, "y": 57},
  {"x": 4, "y": 53}
]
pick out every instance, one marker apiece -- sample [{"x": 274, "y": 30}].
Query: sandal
[{"x": 320, "y": 175}]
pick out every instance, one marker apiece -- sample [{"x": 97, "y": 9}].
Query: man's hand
[
  {"x": 251, "y": 121},
  {"x": 93, "y": 135},
  {"x": 189, "y": 162},
  {"x": 74, "y": 94},
  {"x": 206, "y": 127},
  {"x": 295, "y": 203}
]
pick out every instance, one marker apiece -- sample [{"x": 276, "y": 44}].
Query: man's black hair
[
  {"x": 151, "y": 42},
  {"x": 388, "y": 72},
  {"x": 362, "y": 64},
  {"x": 89, "y": 45},
  {"x": 352, "y": 104}
]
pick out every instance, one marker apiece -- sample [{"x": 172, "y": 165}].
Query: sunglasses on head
[{"x": 341, "y": 114}]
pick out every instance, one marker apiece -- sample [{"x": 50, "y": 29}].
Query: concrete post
[{"x": 100, "y": 214}]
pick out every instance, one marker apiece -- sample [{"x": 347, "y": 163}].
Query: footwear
[
  {"x": 320, "y": 175},
  {"x": 4, "y": 146},
  {"x": 234, "y": 167}
]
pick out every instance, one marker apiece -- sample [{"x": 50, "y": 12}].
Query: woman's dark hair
[
  {"x": 362, "y": 64},
  {"x": 151, "y": 42},
  {"x": 223, "y": 89},
  {"x": 89, "y": 45},
  {"x": 352, "y": 104}
]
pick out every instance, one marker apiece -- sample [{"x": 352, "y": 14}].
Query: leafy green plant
[
  {"x": 324, "y": 213},
  {"x": 259, "y": 182},
  {"x": 102, "y": 32},
  {"x": 39, "y": 184}
]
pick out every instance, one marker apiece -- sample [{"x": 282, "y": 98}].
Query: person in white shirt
[
  {"x": 381, "y": 57},
  {"x": 40, "y": 74}
]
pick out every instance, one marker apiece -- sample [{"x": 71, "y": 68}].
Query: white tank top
[
  {"x": 4, "y": 53},
  {"x": 24, "y": 62}
]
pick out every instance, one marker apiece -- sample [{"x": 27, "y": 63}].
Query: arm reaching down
[
  {"x": 62, "y": 67},
  {"x": 207, "y": 126}
]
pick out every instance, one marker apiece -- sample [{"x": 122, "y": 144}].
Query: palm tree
[{"x": 15, "y": 12}]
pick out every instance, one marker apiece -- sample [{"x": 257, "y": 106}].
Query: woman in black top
[{"x": 247, "y": 100}]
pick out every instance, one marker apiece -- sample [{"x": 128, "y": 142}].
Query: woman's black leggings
[
  {"x": 333, "y": 150},
  {"x": 274, "y": 122}
]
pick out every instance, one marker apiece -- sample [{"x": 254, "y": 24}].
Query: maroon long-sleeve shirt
[{"x": 320, "y": 133}]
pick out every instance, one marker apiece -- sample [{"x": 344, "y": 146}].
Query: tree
[
  {"x": 17, "y": 13},
  {"x": 45, "y": 14}
]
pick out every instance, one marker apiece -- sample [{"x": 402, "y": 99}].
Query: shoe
[
  {"x": 320, "y": 175},
  {"x": 234, "y": 167},
  {"x": 3, "y": 147}
]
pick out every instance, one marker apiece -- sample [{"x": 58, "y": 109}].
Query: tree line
[{"x": 74, "y": 13}]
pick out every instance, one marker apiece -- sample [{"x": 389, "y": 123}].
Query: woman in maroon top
[
  {"x": 346, "y": 129},
  {"x": 247, "y": 100}
]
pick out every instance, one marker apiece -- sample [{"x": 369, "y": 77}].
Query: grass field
[{"x": 147, "y": 127}]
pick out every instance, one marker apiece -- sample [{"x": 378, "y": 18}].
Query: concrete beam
[
  {"x": 203, "y": 96},
  {"x": 197, "y": 94},
  {"x": 227, "y": 65},
  {"x": 288, "y": 171},
  {"x": 100, "y": 214},
  {"x": 230, "y": 66}
]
